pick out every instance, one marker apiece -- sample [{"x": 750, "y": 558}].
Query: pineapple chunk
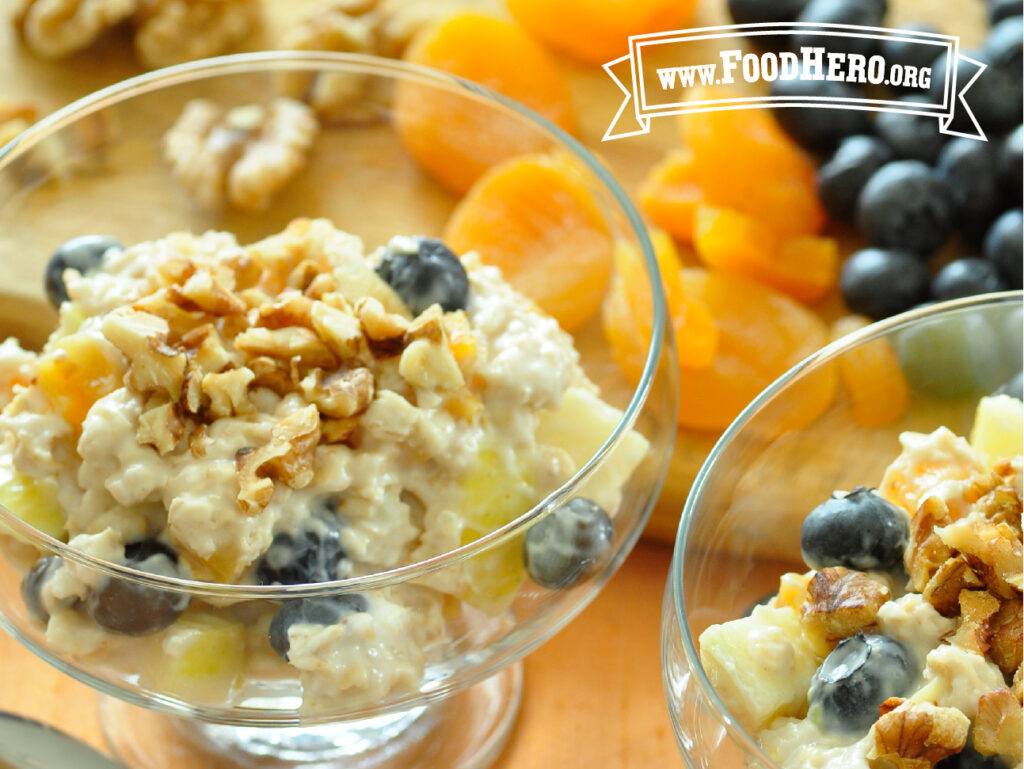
[
  {"x": 200, "y": 658},
  {"x": 493, "y": 496},
  {"x": 579, "y": 426},
  {"x": 761, "y": 665},
  {"x": 77, "y": 373},
  {"x": 33, "y": 501},
  {"x": 998, "y": 427}
]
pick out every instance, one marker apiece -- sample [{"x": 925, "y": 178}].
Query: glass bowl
[
  {"x": 740, "y": 529},
  {"x": 210, "y": 685}
]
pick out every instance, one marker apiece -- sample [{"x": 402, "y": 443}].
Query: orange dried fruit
[
  {"x": 670, "y": 194},
  {"x": 78, "y": 373},
  {"x": 872, "y": 376},
  {"x": 452, "y": 136},
  {"x": 761, "y": 334},
  {"x": 596, "y": 31},
  {"x": 535, "y": 218},
  {"x": 744, "y": 161},
  {"x": 695, "y": 333},
  {"x": 805, "y": 267}
]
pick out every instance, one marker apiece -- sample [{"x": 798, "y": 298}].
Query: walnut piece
[
  {"x": 340, "y": 330},
  {"x": 54, "y": 29},
  {"x": 228, "y": 392},
  {"x": 976, "y": 610},
  {"x": 287, "y": 457},
  {"x": 142, "y": 339},
  {"x": 384, "y": 330},
  {"x": 430, "y": 366},
  {"x": 161, "y": 426},
  {"x": 285, "y": 344},
  {"x": 926, "y": 552},
  {"x": 174, "y": 31},
  {"x": 943, "y": 588},
  {"x": 841, "y": 602},
  {"x": 1006, "y": 636},
  {"x": 341, "y": 394},
  {"x": 916, "y": 735},
  {"x": 993, "y": 550},
  {"x": 1000, "y": 724},
  {"x": 242, "y": 156}
]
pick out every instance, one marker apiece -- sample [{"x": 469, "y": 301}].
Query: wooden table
[{"x": 593, "y": 693}]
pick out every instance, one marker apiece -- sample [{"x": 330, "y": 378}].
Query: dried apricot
[
  {"x": 804, "y": 267},
  {"x": 741, "y": 159},
  {"x": 456, "y": 137},
  {"x": 871, "y": 376},
  {"x": 695, "y": 333},
  {"x": 761, "y": 334},
  {"x": 535, "y": 218},
  {"x": 596, "y": 31},
  {"x": 670, "y": 194}
]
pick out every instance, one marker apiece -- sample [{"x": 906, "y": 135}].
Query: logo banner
[{"x": 654, "y": 88}]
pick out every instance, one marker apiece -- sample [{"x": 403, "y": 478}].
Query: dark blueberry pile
[{"x": 916, "y": 196}]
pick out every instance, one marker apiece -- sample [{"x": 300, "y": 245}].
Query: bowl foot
[{"x": 465, "y": 731}]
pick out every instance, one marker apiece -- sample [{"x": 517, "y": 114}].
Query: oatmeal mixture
[
  {"x": 902, "y": 646},
  {"x": 286, "y": 412}
]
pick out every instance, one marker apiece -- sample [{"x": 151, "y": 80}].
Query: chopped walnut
[
  {"x": 430, "y": 366},
  {"x": 273, "y": 374},
  {"x": 287, "y": 343},
  {"x": 993, "y": 550},
  {"x": 384, "y": 330},
  {"x": 161, "y": 426},
  {"x": 999, "y": 725},
  {"x": 228, "y": 392},
  {"x": 943, "y": 589},
  {"x": 174, "y": 31},
  {"x": 289, "y": 309},
  {"x": 926, "y": 552},
  {"x": 841, "y": 602},
  {"x": 206, "y": 292},
  {"x": 242, "y": 156},
  {"x": 976, "y": 610},
  {"x": 342, "y": 394},
  {"x": 1006, "y": 636},
  {"x": 288, "y": 458},
  {"x": 54, "y": 29},
  {"x": 338, "y": 430},
  {"x": 142, "y": 339},
  {"x": 916, "y": 735},
  {"x": 339, "y": 329},
  {"x": 206, "y": 350}
]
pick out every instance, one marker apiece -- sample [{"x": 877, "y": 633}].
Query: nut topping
[
  {"x": 841, "y": 602},
  {"x": 917, "y": 735}
]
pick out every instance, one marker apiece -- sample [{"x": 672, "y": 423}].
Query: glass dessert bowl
[
  {"x": 812, "y": 613},
  {"x": 273, "y": 473}
]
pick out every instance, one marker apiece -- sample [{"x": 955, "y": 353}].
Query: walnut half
[
  {"x": 916, "y": 735},
  {"x": 841, "y": 602}
]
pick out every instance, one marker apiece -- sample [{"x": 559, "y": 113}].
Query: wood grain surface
[{"x": 593, "y": 695}]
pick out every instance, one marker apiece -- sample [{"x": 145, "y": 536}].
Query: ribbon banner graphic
[{"x": 654, "y": 87}]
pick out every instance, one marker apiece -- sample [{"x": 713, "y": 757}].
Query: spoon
[{"x": 28, "y": 744}]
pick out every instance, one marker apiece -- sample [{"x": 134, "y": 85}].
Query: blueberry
[
  {"x": 764, "y": 11},
  {"x": 83, "y": 253},
  {"x": 969, "y": 758},
  {"x": 1011, "y": 166},
  {"x": 966, "y": 277},
  {"x": 1014, "y": 387},
  {"x": 424, "y": 271},
  {"x": 905, "y": 205},
  {"x": 121, "y": 606},
  {"x": 1004, "y": 46},
  {"x": 844, "y": 174},
  {"x": 995, "y": 96},
  {"x": 862, "y": 13},
  {"x": 317, "y": 610},
  {"x": 952, "y": 356},
  {"x": 881, "y": 282},
  {"x": 32, "y": 585},
  {"x": 819, "y": 130},
  {"x": 969, "y": 168},
  {"x": 1004, "y": 246},
  {"x": 915, "y": 137},
  {"x": 909, "y": 53},
  {"x": 859, "y": 530},
  {"x": 861, "y": 673},
  {"x": 568, "y": 544},
  {"x": 310, "y": 554},
  {"x": 1000, "y": 9}
]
